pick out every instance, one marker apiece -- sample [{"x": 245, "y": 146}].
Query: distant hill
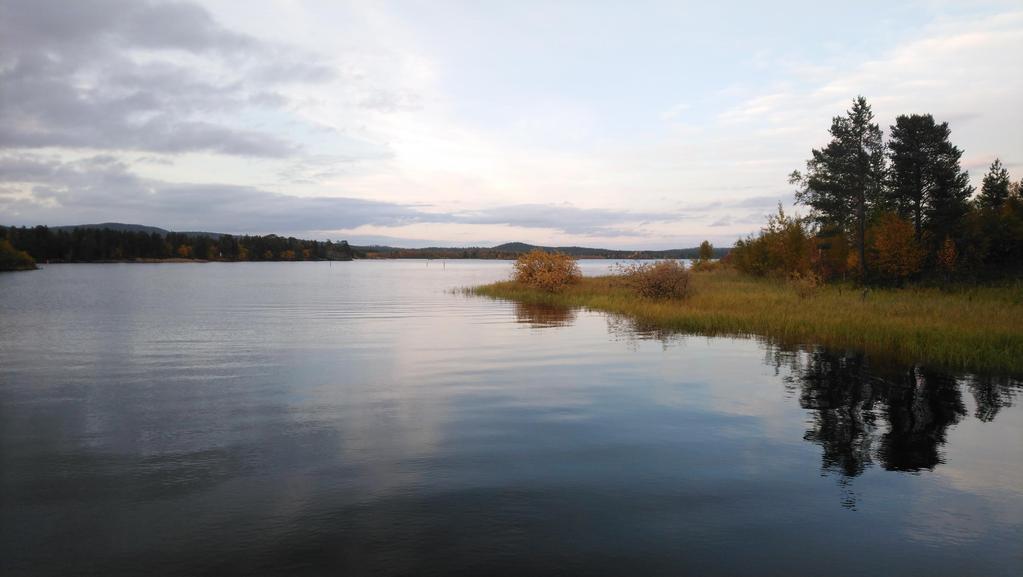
[
  {"x": 586, "y": 252},
  {"x": 508, "y": 250},
  {"x": 123, "y": 227},
  {"x": 514, "y": 247},
  {"x": 118, "y": 226},
  {"x": 512, "y": 250}
]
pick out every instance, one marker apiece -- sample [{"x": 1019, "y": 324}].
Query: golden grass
[{"x": 973, "y": 328}]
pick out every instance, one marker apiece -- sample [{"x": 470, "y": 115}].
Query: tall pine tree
[
  {"x": 844, "y": 181},
  {"x": 927, "y": 185}
]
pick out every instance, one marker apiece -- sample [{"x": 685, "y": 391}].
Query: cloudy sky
[{"x": 618, "y": 124}]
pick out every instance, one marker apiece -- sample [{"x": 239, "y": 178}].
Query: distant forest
[
  {"x": 81, "y": 244},
  {"x": 513, "y": 250},
  {"x": 891, "y": 211},
  {"x": 120, "y": 242}
]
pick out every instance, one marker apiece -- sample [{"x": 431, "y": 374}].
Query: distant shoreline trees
[
  {"x": 888, "y": 212},
  {"x": 14, "y": 259},
  {"x": 104, "y": 244},
  {"x": 101, "y": 243}
]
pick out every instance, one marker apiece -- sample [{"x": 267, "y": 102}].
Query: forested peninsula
[
  {"x": 114, "y": 242},
  {"x": 897, "y": 256}
]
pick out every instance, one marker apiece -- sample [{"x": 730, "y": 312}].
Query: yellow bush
[
  {"x": 705, "y": 265},
  {"x": 947, "y": 257},
  {"x": 806, "y": 284},
  {"x": 666, "y": 279},
  {"x": 546, "y": 271},
  {"x": 899, "y": 255}
]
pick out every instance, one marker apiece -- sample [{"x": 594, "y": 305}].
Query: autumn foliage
[
  {"x": 666, "y": 279},
  {"x": 785, "y": 246},
  {"x": 897, "y": 253},
  {"x": 889, "y": 210},
  {"x": 14, "y": 259},
  {"x": 547, "y": 271},
  {"x": 948, "y": 257}
]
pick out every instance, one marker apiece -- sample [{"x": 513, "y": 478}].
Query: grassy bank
[{"x": 978, "y": 329}]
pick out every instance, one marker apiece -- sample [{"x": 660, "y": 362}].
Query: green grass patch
[{"x": 968, "y": 328}]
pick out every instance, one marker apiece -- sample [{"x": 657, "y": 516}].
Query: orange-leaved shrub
[
  {"x": 707, "y": 265},
  {"x": 548, "y": 271},
  {"x": 898, "y": 253},
  {"x": 806, "y": 284},
  {"x": 666, "y": 279},
  {"x": 947, "y": 257},
  {"x": 785, "y": 246}
]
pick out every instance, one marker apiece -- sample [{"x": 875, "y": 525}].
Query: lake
[{"x": 363, "y": 418}]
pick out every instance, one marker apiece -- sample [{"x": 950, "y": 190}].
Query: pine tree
[
  {"x": 844, "y": 182},
  {"x": 926, "y": 184},
  {"x": 995, "y": 188},
  {"x": 706, "y": 250}
]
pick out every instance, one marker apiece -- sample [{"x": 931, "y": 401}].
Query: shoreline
[
  {"x": 172, "y": 261},
  {"x": 966, "y": 328}
]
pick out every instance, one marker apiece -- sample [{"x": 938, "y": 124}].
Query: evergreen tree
[
  {"x": 995, "y": 188},
  {"x": 845, "y": 179},
  {"x": 1017, "y": 190},
  {"x": 706, "y": 250},
  {"x": 927, "y": 185}
]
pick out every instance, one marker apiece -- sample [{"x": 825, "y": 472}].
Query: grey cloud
[
  {"x": 389, "y": 102},
  {"x": 159, "y": 160},
  {"x": 103, "y": 188},
  {"x": 68, "y": 78},
  {"x": 765, "y": 201},
  {"x": 566, "y": 218},
  {"x": 769, "y": 201},
  {"x": 135, "y": 23},
  {"x": 267, "y": 99},
  {"x": 292, "y": 68},
  {"x": 176, "y": 25},
  {"x": 754, "y": 218}
]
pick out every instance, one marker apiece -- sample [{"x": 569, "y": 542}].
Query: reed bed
[{"x": 969, "y": 328}]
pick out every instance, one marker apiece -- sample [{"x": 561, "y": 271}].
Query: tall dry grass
[{"x": 975, "y": 328}]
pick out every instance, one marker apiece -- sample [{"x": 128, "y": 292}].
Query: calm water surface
[{"x": 361, "y": 419}]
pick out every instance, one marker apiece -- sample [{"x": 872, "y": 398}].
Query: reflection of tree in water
[
  {"x": 866, "y": 413},
  {"x": 844, "y": 398},
  {"x": 851, "y": 401},
  {"x": 543, "y": 316},
  {"x": 991, "y": 394}
]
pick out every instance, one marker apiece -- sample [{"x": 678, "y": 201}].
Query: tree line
[
  {"x": 888, "y": 211},
  {"x": 512, "y": 251},
  {"x": 45, "y": 244}
]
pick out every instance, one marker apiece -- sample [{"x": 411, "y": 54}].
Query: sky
[{"x": 610, "y": 124}]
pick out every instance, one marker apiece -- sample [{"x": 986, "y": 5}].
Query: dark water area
[{"x": 363, "y": 419}]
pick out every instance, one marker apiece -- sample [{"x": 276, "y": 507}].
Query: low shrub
[
  {"x": 704, "y": 265},
  {"x": 666, "y": 279},
  {"x": 807, "y": 284},
  {"x": 548, "y": 271}
]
